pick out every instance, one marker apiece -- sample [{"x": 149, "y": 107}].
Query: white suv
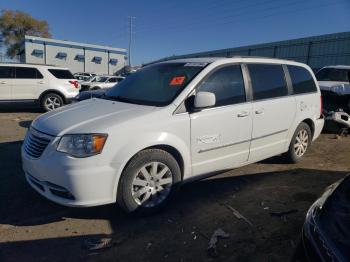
[
  {"x": 172, "y": 122},
  {"x": 101, "y": 82},
  {"x": 51, "y": 86}
]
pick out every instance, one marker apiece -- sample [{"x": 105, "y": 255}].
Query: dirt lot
[{"x": 34, "y": 229}]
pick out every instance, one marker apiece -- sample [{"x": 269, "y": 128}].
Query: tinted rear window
[
  {"x": 6, "y": 72},
  {"x": 268, "y": 81},
  {"x": 61, "y": 74},
  {"x": 27, "y": 73},
  {"x": 333, "y": 74},
  {"x": 302, "y": 80}
]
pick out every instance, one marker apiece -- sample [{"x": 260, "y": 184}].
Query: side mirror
[{"x": 204, "y": 99}]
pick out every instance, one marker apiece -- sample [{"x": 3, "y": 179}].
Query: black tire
[
  {"x": 291, "y": 155},
  {"x": 126, "y": 187},
  {"x": 96, "y": 88},
  {"x": 51, "y": 101}
]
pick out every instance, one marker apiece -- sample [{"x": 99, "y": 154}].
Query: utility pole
[{"x": 130, "y": 36}]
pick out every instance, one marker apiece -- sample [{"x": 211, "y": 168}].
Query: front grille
[{"x": 35, "y": 143}]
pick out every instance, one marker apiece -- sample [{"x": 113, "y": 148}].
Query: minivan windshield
[
  {"x": 155, "y": 85},
  {"x": 333, "y": 74}
]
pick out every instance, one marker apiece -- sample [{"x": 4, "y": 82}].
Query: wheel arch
[
  {"x": 311, "y": 124},
  {"x": 167, "y": 148},
  {"x": 54, "y": 91}
]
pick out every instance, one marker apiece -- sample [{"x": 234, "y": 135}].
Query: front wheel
[
  {"x": 300, "y": 143},
  {"x": 149, "y": 181}
]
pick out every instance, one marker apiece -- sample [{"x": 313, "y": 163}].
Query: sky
[{"x": 164, "y": 28}]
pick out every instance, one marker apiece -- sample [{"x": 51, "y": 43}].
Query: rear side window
[
  {"x": 302, "y": 80},
  {"x": 27, "y": 73},
  {"x": 268, "y": 81},
  {"x": 227, "y": 85},
  {"x": 61, "y": 73},
  {"x": 6, "y": 72}
]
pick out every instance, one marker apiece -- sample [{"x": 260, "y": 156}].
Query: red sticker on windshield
[{"x": 177, "y": 80}]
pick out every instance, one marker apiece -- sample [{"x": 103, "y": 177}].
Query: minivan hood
[{"x": 89, "y": 116}]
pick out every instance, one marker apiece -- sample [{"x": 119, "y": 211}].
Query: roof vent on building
[
  {"x": 38, "y": 52},
  {"x": 97, "y": 59},
  {"x": 61, "y": 55},
  {"x": 113, "y": 61},
  {"x": 80, "y": 58}
]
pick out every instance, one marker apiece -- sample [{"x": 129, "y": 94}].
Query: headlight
[{"x": 82, "y": 145}]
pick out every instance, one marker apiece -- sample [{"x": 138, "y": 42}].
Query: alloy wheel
[
  {"x": 52, "y": 103},
  {"x": 301, "y": 142},
  {"x": 151, "y": 184}
]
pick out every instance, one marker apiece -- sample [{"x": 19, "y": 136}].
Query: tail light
[{"x": 74, "y": 83}]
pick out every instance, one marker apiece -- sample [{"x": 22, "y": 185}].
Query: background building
[
  {"x": 316, "y": 51},
  {"x": 77, "y": 57}
]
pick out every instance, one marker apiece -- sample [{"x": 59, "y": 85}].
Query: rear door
[
  {"x": 273, "y": 110},
  {"x": 26, "y": 83},
  {"x": 6, "y": 81},
  {"x": 220, "y": 135}
]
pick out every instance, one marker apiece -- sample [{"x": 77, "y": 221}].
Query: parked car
[
  {"x": 101, "y": 82},
  {"x": 84, "y": 76},
  {"x": 326, "y": 231},
  {"x": 334, "y": 79},
  {"x": 90, "y": 94},
  {"x": 169, "y": 123},
  {"x": 335, "y": 88},
  {"x": 50, "y": 86}
]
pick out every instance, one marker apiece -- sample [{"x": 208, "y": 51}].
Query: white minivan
[
  {"x": 49, "y": 86},
  {"x": 172, "y": 122}
]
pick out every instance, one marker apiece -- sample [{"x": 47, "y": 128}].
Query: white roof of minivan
[{"x": 234, "y": 59}]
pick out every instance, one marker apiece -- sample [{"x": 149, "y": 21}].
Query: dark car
[
  {"x": 90, "y": 94},
  {"x": 326, "y": 231}
]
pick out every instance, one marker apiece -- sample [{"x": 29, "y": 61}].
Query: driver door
[{"x": 221, "y": 135}]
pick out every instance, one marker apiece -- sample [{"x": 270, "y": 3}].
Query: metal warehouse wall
[
  {"x": 316, "y": 51},
  {"x": 47, "y": 51}
]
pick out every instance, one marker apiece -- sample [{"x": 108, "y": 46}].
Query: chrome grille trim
[{"x": 35, "y": 143}]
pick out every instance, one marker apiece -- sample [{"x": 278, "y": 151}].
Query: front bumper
[{"x": 78, "y": 182}]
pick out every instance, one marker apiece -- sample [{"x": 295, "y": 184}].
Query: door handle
[
  {"x": 243, "y": 114},
  {"x": 259, "y": 111},
  {"x": 3, "y": 82},
  {"x": 41, "y": 82}
]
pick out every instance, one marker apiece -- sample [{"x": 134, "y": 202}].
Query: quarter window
[
  {"x": 27, "y": 73},
  {"x": 227, "y": 85},
  {"x": 302, "y": 80},
  {"x": 6, "y": 72},
  {"x": 268, "y": 81},
  {"x": 61, "y": 73}
]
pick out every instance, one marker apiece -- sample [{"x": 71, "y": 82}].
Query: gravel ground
[{"x": 34, "y": 229}]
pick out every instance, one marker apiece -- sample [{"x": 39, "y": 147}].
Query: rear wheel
[
  {"x": 51, "y": 101},
  {"x": 96, "y": 88},
  {"x": 149, "y": 181},
  {"x": 300, "y": 143}
]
